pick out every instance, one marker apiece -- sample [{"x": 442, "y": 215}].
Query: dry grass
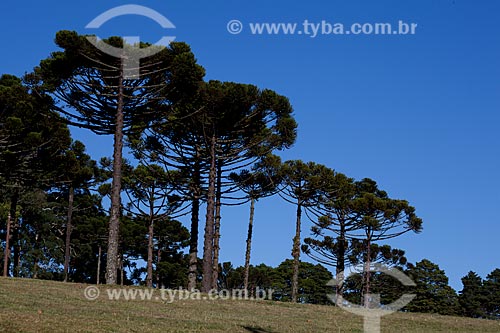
[{"x": 46, "y": 306}]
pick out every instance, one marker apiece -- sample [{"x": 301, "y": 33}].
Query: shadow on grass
[{"x": 254, "y": 329}]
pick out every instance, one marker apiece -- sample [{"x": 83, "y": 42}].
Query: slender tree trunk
[
  {"x": 195, "y": 212},
  {"x": 35, "y": 261},
  {"x": 114, "y": 220},
  {"x": 99, "y": 265},
  {"x": 206, "y": 283},
  {"x": 15, "y": 235},
  {"x": 367, "y": 273},
  {"x": 6, "y": 255},
  {"x": 249, "y": 246},
  {"x": 17, "y": 248},
  {"x": 193, "y": 246},
  {"x": 158, "y": 261},
  {"x": 149, "y": 274},
  {"x": 215, "y": 276},
  {"x": 296, "y": 253},
  {"x": 69, "y": 229},
  {"x": 149, "y": 278},
  {"x": 340, "y": 267}
]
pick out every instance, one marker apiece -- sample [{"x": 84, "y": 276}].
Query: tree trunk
[
  {"x": 296, "y": 253},
  {"x": 195, "y": 212},
  {"x": 340, "y": 267},
  {"x": 7, "y": 249},
  {"x": 35, "y": 268},
  {"x": 149, "y": 266},
  {"x": 14, "y": 229},
  {"x": 149, "y": 274},
  {"x": 193, "y": 246},
  {"x": 99, "y": 265},
  {"x": 69, "y": 227},
  {"x": 206, "y": 283},
  {"x": 158, "y": 261},
  {"x": 367, "y": 273},
  {"x": 249, "y": 246},
  {"x": 17, "y": 248},
  {"x": 149, "y": 277},
  {"x": 114, "y": 220},
  {"x": 35, "y": 261},
  {"x": 215, "y": 276}
]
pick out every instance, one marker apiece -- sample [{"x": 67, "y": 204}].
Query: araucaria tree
[
  {"x": 150, "y": 190},
  {"x": 91, "y": 89},
  {"x": 350, "y": 218},
  {"x": 380, "y": 218},
  {"x": 225, "y": 127},
  {"x": 242, "y": 125},
  {"x": 261, "y": 181},
  {"x": 333, "y": 218},
  {"x": 304, "y": 186}
]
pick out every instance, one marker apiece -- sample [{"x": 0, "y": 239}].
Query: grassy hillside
[{"x": 46, "y": 306}]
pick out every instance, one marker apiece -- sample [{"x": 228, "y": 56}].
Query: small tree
[
  {"x": 171, "y": 262},
  {"x": 150, "y": 191},
  {"x": 389, "y": 288},
  {"x": 312, "y": 283},
  {"x": 433, "y": 294},
  {"x": 88, "y": 236},
  {"x": 473, "y": 298},
  {"x": 492, "y": 290},
  {"x": 77, "y": 172}
]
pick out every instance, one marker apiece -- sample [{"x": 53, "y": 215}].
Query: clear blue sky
[{"x": 419, "y": 114}]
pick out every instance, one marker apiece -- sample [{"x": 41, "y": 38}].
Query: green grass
[{"x": 46, "y": 306}]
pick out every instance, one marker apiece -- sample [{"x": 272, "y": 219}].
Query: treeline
[
  {"x": 478, "y": 298},
  {"x": 196, "y": 147}
]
